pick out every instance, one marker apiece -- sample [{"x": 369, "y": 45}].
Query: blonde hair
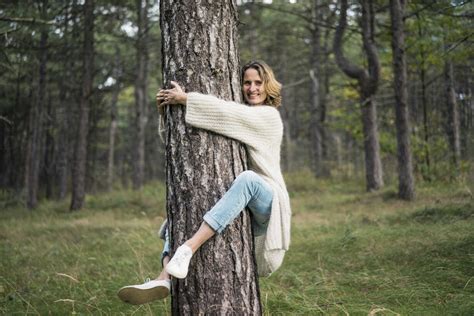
[{"x": 272, "y": 86}]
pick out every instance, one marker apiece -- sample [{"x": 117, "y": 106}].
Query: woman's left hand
[{"x": 176, "y": 95}]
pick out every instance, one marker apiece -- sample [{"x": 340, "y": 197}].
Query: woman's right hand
[{"x": 173, "y": 96}]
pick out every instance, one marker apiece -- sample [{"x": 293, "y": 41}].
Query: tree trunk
[
  {"x": 424, "y": 101},
  {"x": 4, "y": 151},
  {"x": 368, "y": 82},
  {"x": 141, "y": 109},
  {"x": 92, "y": 149},
  {"x": 373, "y": 163},
  {"x": 67, "y": 100},
  {"x": 80, "y": 156},
  {"x": 62, "y": 142},
  {"x": 36, "y": 123},
  {"x": 466, "y": 116},
  {"x": 113, "y": 122},
  {"x": 200, "y": 52},
  {"x": 48, "y": 145},
  {"x": 406, "y": 185},
  {"x": 453, "y": 114},
  {"x": 286, "y": 150},
  {"x": 315, "y": 110},
  {"x": 326, "y": 74}
]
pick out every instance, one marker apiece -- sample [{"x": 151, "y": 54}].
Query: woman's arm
[{"x": 252, "y": 125}]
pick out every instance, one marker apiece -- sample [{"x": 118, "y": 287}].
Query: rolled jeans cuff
[{"x": 213, "y": 223}]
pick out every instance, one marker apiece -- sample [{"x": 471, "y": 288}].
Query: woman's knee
[{"x": 247, "y": 176}]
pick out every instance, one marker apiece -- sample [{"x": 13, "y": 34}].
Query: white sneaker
[
  {"x": 178, "y": 265},
  {"x": 146, "y": 292}
]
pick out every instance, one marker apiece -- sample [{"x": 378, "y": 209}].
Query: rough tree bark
[
  {"x": 80, "y": 156},
  {"x": 368, "y": 82},
  {"x": 36, "y": 122},
  {"x": 453, "y": 114},
  {"x": 199, "y": 49},
  {"x": 406, "y": 183},
  {"x": 141, "y": 84}
]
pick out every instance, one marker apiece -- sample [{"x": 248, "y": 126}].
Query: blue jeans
[{"x": 247, "y": 190}]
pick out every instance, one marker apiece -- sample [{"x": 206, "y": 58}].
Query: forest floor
[{"x": 352, "y": 252}]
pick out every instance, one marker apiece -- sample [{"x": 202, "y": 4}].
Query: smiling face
[{"x": 253, "y": 88}]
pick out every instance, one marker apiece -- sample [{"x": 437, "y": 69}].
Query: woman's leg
[
  {"x": 163, "y": 274},
  {"x": 150, "y": 290},
  {"x": 248, "y": 189},
  {"x": 204, "y": 233},
  {"x": 165, "y": 257}
]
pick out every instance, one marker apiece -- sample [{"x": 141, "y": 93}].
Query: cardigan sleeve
[{"x": 254, "y": 126}]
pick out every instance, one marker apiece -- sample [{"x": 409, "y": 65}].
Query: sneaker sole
[{"x": 132, "y": 295}]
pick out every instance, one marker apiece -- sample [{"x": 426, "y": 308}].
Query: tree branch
[
  {"x": 296, "y": 83},
  {"x": 302, "y": 16},
  {"x": 348, "y": 68},
  {"x": 26, "y": 20},
  {"x": 462, "y": 40},
  {"x": 3, "y": 118},
  {"x": 369, "y": 44}
]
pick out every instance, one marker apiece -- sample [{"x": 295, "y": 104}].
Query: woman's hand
[{"x": 176, "y": 95}]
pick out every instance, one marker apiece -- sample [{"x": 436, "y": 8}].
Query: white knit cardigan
[{"x": 260, "y": 128}]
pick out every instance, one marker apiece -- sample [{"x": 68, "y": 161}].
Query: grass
[{"x": 352, "y": 252}]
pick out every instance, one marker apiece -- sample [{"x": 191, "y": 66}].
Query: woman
[{"x": 262, "y": 189}]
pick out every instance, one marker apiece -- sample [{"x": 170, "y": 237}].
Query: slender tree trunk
[
  {"x": 36, "y": 123},
  {"x": 80, "y": 157},
  {"x": 286, "y": 153},
  {"x": 315, "y": 110},
  {"x": 368, "y": 82},
  {"x": 453, "y": 114},
  {"x": 12, "y": 172},
  {"x": 326, "y": 74},
  {"x": 4, "y": 151},
  {"x": 286, "y": 143},
  {"x": 467, "y": 118},
  {"x": 92, "y": 150},
  {"x": 141, "y": 109},
  {"x": 66, "y": 102},
  {"x": 424, "y": 101},
  {"x": 113, "y": 123},
  {"x": 47, "y": 177},
  {"x": 200, "y": 52},
  {"x": 62, "y": 144},
  {"x": 406, "y": 185},
  {"x": 373, "y": 163}
]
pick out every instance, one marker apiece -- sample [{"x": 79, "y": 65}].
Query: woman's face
[{"x": 253, "y": 88}]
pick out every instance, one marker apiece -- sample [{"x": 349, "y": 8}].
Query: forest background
[
  {"x": 67, "y": 101},
  {"x": 43, "y": 78}
]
